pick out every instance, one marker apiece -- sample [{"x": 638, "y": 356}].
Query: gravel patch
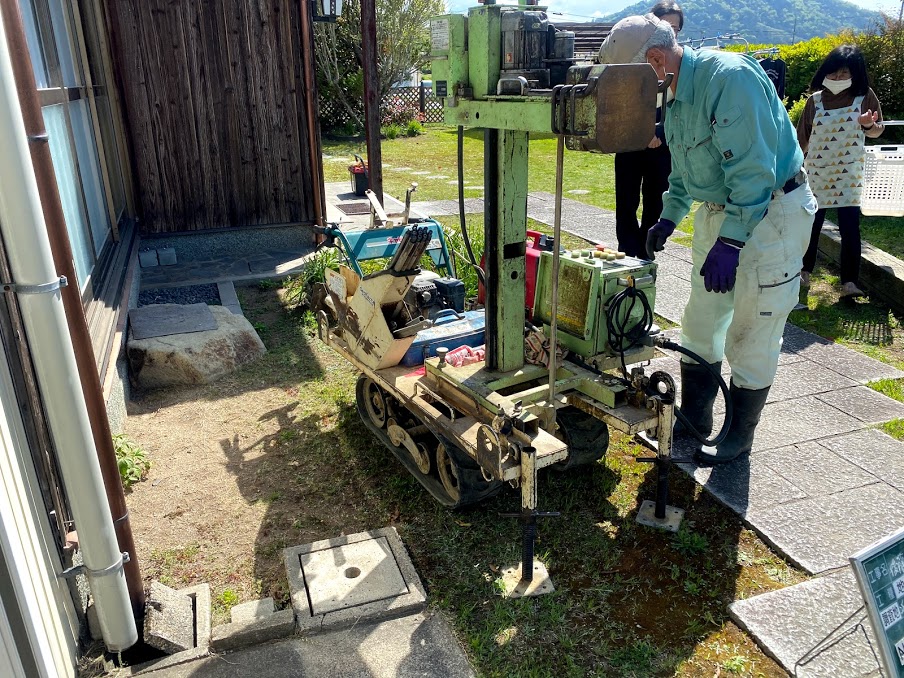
[{"x": 191, "y": 294}]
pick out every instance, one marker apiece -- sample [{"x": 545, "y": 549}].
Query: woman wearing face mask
[
  {"x": 840, "y": 113},
  {"x": 644, "y": 173}
]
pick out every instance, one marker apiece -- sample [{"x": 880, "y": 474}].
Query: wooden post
[
  {"x": 312, "y": 113},
  {"x": 371, "y": 96}
]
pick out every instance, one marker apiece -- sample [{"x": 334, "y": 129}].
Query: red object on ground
[{"x": 531, "y": 266}]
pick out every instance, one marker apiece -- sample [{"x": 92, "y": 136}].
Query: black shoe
[
  {"x": 699, "y": 388},
  {"x": 747, "y": 406}
]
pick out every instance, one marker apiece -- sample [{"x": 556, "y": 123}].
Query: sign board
[{"x": 880, "y": 573}]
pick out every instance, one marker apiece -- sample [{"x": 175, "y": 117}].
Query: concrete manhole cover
[{"x": 364, "y": 576}]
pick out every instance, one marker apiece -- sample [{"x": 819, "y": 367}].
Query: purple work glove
[
  {"x": 720, "y": 268},
  {"x": 657, "y": 236}
]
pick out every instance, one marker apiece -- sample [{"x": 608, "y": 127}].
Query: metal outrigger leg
[{"x": 658, "y": 513}]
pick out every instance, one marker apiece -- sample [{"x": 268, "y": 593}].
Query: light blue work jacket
[{"x": 731, "y": 140}]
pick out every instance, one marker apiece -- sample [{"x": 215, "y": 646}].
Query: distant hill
[{"x": 763, "y": 21}]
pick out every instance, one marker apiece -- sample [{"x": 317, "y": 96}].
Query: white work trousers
[{"x": 746, "y": 324}]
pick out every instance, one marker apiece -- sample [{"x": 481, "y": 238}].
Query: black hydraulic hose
[
  {"x": 461, "y": 206},
  {"x": 729, "y": 410}
]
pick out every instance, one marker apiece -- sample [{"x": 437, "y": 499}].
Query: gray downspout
[{"x": 25, "y": 237}]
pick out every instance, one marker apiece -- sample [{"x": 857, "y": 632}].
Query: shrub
[
  {"x": 414, "y": 128},
  {"x": 396, "y": 111},
  {"x": 797, "y": 109},
  {"x": 391, "y": 131}
]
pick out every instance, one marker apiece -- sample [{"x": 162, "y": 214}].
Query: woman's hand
[{"x": 868, "y": 118}]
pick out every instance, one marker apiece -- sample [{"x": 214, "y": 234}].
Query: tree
[{"x": 403, "y": 37}]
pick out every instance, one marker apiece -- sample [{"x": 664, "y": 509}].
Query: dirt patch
[{"x": 275, "y": 456}]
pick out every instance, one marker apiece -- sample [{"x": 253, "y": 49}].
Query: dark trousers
[
  {"x": 849, "y": 227},
  {"x": 639, "y": 173}
]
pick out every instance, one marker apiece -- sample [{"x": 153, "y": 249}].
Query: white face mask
[{"x": 836, "y": 86}]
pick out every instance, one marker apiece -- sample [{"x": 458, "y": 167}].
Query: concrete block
[
  {"x": 799, "y": 420},
  {"x": 253, "y": 631},
  {"x": 200, "y": 596},
  {"x": 813, "y": 628},
  {"x": 814, "y": 469},
  {"x": 166, "y": 256},
  {"x": 147, "y": 258},
  {"x": 341, "y": 582},
  {"x": 169, "y": 621},
  {"x": 851, "y": 364},
  {"x": 256, "y": 609},
  {"x": 803, "y": 378}
]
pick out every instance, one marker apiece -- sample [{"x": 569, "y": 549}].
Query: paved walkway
[{"x": 821, "y": 482}]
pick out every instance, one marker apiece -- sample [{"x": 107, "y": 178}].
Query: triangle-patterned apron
[{"x": 835, "y": 157}]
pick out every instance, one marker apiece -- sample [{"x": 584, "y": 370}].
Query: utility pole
[{"x": 371, "y": 96}]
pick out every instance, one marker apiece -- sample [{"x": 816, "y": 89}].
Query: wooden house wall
[{"x": 214, "y": 104}]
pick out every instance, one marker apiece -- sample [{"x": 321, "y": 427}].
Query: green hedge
[{"x": 883, "y": 47}]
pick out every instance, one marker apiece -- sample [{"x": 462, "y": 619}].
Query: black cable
[
  {"x": 623, "y": 338},
  {"x": 726, "y": 394},
  {"x": 481, "y": 274}
]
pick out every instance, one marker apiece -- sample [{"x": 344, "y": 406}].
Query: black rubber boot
[
  {"x": 747, "y": 406},
  {"x": 698, "y": 393}
]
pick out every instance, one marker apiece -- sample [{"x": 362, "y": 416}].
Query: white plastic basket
[{"x": 883, "y": 180}]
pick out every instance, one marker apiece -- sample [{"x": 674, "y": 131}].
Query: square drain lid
[
  {"x": 351, "y": 574},
  {"x": 339, "y": 582}
]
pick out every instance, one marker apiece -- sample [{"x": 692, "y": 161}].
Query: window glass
[
  {"x": 34, "y": 44},
  {"x": 68, "y": 184},
  {"x": 89, "y": 166},
  {"x": 63, "y": 45}
]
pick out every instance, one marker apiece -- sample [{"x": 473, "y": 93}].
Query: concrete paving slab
[
  {"x": 873, "y": 451},
  {"x": 865, "y": 404},
  {"x": 799, "y": 420},
  {"x": 746, "y": 485},
  {"x": 169, "y": 620},
  {"x": 820, "y": 533},
  {"x": 384, "y": 581},
  {"x": 853, "y": 365},
  {"x": 803, "y": 378},
  {"x": 411, "y": 647},
  {"x": 814, "y": 469},
  {"x": 815, "y": 629},
  {"x": 228, "y": 297},
  {"x": 349, "y": 575},
  {"x": 163, "y": 320}
]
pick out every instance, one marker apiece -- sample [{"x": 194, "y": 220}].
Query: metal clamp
[
  {"x": 42, "y": 288},
  {"x": 93, "y": 574}
]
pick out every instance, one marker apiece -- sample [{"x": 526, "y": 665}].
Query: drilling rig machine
[{"x": 464, "y": 429}]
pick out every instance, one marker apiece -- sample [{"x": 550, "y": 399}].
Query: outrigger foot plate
[
  {"x": 515, "y": 587},
  {"x": 671, "y": 522}
]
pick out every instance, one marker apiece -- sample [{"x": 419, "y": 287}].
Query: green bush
[
  {"x": 133, "y": 462},
  {"x": 391, "y": 131},
  {"x": 414, "y": 128},
  {"x": 797, "y": 109}
]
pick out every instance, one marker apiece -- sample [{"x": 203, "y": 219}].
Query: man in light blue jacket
[{"x": 735, "y": 150}]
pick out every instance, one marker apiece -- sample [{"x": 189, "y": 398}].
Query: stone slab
[
  {"x": 169, "y": 620},
  {"x": 813, "y": 629},
  {"x": 228, "y": 297},
  {"x": 867, "y": 405},
  {"x": 232, "y": 636},
  {"x": 803, "y": 378},
  {"x": 200, "y": 595},
  {"x": 162, "y": 320},
  {"x": 851, "y": 364},
  {"x": 411, "y": 647},
  {"x": 745, "y": 485},
  {"x": 874, "y": 452},
  {"x": 814, "y": 469},
  {"x": 820, "y": 533},
  {"x": 349, "y": 575},
  {"x": 410, "y": 601},
  {"x": 254, "y": 609},
  {"x": 799, "y": 420}
]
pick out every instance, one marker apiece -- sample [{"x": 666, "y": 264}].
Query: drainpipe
[
  {"x": 36, "y": 285},
  {"x": 75, "y": 315}
]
